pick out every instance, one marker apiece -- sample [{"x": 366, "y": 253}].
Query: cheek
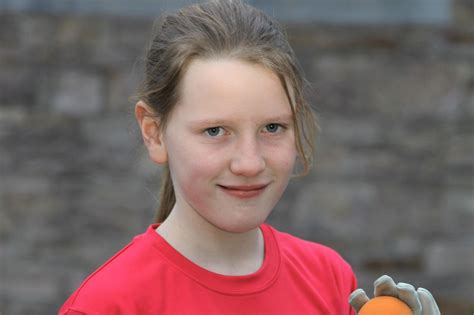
[
  {"x": 194, "y": 171},
  {"x": 284, "y": 157},
  {"x": 191, "y": 181},
  {"x": 197, "y": 182}
]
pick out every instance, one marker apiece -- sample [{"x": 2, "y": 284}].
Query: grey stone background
[{"x": 392, "y": 184}]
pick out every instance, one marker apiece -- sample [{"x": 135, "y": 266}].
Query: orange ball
[{"x": 385, "y": 305}]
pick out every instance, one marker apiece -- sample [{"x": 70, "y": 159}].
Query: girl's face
[{"x": 230, "y": 143}]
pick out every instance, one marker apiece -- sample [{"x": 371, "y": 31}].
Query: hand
[{"x": 420, "y": 301}]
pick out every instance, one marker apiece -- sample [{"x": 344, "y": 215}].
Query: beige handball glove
[{"x": 420, "y": 301}]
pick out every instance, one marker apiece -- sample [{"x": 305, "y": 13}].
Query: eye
[
  {"x": 273, "y": 128},
  {"x": 213, "y": 131}
]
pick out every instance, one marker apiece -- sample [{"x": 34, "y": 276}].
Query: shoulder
[
  {"x": 318, "y": 256},
  {"x": 111, "y": 287},
  {"x": 292, "y": 244}
]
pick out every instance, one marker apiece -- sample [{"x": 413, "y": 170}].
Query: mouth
[{"x": 243, "y": 191}]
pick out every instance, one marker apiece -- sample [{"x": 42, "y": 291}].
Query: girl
[{"x": 222, "y": 109}]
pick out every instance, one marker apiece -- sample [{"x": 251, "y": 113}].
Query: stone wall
[{"x": 392, "y": 184}]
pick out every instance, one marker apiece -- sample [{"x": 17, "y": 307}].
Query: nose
[{"x": 247, "y": 158}]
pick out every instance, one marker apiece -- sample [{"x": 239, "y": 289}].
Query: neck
[{"x": 211, "y": 248}]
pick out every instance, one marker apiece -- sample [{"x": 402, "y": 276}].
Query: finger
[
  {"x": 385, "y": 286},
  {"x": 357, "y": 299},
  {"x": 407, "y": 293},
  {"x": 428, "y": 302}
]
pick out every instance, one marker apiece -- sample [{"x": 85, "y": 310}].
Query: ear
[{"x": 152, "y": 133}]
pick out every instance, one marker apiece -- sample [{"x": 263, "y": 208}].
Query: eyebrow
[{"x": 219, "y": 121}]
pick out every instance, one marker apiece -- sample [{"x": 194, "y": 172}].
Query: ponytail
[{"x": 167, "y": 196}]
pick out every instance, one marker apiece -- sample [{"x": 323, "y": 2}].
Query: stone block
[
  {"x": 450, "y": 257},
  {"x": 122, "y": 87},
  {"x": 27, "y": 185},
  {"x": 463, "y": 12},
  {"x": 364, "y": 132},
  {"x": 9, "y": 31},
  {"x": 77, "y": 93},
  {"x": 460, "y": 151},
  {"x": 36, "y": 34},
  {"x": 13, "y": 79},
  {"x": 11, "y": 116},
  {"x": 121, "y": 42},
  {"x": 108, "y": 133},
  {"x": 332, "y": 210},
  {"x": 457, "y": 214},
  {"x": 29, "y": 283}
]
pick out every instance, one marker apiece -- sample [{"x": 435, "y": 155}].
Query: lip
[{"x": 243, "y": 191}]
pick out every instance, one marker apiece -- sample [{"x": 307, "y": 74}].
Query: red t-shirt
[{"x": 149, "y": 276}]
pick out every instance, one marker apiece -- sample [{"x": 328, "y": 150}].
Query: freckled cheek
[
  {"x": 194, "y": 187},
  {"x": 288, "y": 164},
  {"x": 197, "y": 175},
  {"x": 283, "y": 157},
  {"x": 196, "y": 197}
]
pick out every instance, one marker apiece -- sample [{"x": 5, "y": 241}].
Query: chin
[{"x": 240, "y": 227}]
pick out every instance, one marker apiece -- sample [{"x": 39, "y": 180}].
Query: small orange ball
[{"x": 385, "y": 305}]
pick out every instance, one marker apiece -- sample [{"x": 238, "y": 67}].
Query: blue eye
[
  {"x": 272, "y": 128},
  {"x": 213, "y": 131}
]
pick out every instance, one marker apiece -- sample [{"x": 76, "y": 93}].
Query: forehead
[{"x": 223, "y": 85}]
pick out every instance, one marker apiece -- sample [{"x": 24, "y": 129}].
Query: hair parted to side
[{"x": 221, "y": 29}]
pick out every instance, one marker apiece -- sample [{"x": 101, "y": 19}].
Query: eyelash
[{"x": 280, "y": 126}]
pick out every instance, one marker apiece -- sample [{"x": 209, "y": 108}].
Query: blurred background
[{"x": 392, "y": 184}]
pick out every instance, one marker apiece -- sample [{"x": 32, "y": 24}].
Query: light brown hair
[{"x": 230, "y": 29}]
